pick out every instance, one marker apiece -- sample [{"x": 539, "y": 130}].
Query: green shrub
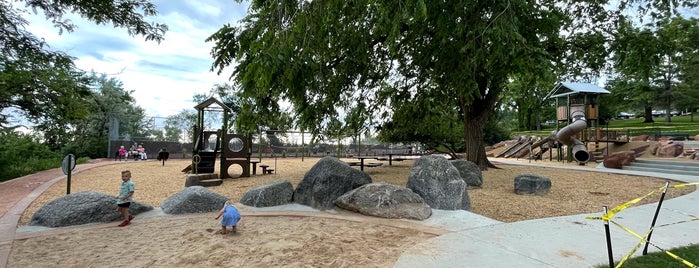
[
  {"x": 22, "y": 154},
  {"x": 660, "y": 259}
]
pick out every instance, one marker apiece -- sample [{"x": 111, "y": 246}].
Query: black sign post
[{"x": 68, "y": 165}]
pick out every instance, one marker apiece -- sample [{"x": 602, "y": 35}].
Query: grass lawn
[{"x": 661, "y": 259}]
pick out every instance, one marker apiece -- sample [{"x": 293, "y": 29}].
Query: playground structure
[
  {"x": 208, "y": 145},
  {"x": 578, "y": 111}
]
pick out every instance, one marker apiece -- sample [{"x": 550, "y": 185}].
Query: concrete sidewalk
[
  {"x": 570, "y": 241},
  {"x": 19, "y": 193}
]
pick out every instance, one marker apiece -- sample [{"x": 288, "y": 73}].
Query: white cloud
[{"x": 164, "y": 76}]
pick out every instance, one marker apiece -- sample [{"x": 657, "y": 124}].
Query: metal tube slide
[{"x": 567, "y": 134}]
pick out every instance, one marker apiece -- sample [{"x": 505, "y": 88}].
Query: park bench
[
  {"x": 266, "y": 169},
  {"x": 373, "y": 164},
  {"x": 675, "y": 135}
]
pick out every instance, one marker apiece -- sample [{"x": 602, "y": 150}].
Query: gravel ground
[{"x": 572, "y": 192}]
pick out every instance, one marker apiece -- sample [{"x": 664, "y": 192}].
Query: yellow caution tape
[
  {"x": 668, "y": 224},
  {"x": 593, "y": 218},
  {"x": 684, "y": 185},
  {"x": 610, "y": 214},
  {"x": 683, "y": 261},
  {"x": 645, "y": 239}
]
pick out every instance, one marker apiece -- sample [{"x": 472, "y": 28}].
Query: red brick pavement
[{"x": 17, "y": 194}]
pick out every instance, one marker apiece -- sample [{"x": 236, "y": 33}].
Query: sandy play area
[{"x": 301, "y": 239}]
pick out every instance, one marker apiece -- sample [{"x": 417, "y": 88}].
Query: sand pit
[
  {"x": 192, "y": 241},
  {"x": 310, "y": 240}
]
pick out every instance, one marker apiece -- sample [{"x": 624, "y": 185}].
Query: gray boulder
[
  {"x": 528, "y": 184},
  {"x": 326, "y": 181},
  {"x": 82, "y": 208},
  {"x": 469, "y": 171},
  {"x": 194, "y": 199},
  {"x": 269, "y": 195},
  {"x": 439, "y": 183},
  {"x": 386, "y": 201}
]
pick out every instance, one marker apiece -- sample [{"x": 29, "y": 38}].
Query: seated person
[
  {"x": 142, "y": 152},
  {"x": 133, "y": 151}
]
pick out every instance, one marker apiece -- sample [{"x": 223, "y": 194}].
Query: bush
[
  {"x": 494, "y": 133},
  {"x": 22, "y": 154}
]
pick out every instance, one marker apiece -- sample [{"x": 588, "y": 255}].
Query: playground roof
[
  {"x": 208, "y": 103},
  {"x": 571, "y": 88}
]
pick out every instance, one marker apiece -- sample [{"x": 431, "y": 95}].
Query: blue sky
[{"x": 164, "y": 76}]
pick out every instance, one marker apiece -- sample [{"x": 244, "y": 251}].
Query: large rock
[
  {"x": 672, "y": 149},
  {"x": 619, "y": 159},
  {"x": 269, "y": 195},
  {"x": 469, "y": 171},
  {"x": 439, "y": 183},
  {"x": 386, "y": 201},
  {"x": 326, "y": 181},
  {"x": 194, "y": 199},
  {"x": 527, "y": 184},
  {"x": 82, "y": 208}
]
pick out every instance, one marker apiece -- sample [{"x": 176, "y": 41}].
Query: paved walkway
[
  {"x": 569, "y": 241},
  {"x": 472, "y": 240},
  {"x": 18, "y": 194}
]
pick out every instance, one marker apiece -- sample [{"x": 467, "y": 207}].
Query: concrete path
[
  {"x": 570, "y": 241},
  {"x": 19, "y": 193}
]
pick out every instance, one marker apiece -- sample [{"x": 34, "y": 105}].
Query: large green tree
[
  {"x": 179, "y": 127},
  {"x": 651, "y": 60},
  {"x": 108, "y": 101},
  {"x": 526, "y": 94},
  {"x": 688, "y": 89},
  {"x": 41, "y": 85},
  {"x": 327, "y": 57}
]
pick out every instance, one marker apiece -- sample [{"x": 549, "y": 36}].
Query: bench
[
  {"x": 373, "y": 164},
  {"x": 675, "y": 135},
  {"x": 266, "y": 169}
]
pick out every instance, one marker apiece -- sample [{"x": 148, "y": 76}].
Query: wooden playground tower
[
  {"x": 208, "y": 145},
  {"x": 578, "y": 99},
  {"x": 577, "y": 111}
]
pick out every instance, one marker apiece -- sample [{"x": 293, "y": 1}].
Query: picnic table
[
  {"x": 361, "y": 162},
  {"x": 390, "y": 158},
  {"x": 266, "y": 169},
  {"x": 254, "y": 165}
]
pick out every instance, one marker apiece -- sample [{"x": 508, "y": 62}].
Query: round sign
[{"x": 68, "y": 164}]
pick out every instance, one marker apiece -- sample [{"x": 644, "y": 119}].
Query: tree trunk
[
  {"x": 668, "y": 102},
  {"x": 475, "y": 114},
  {"x": 648, "y": 114},
  {"x": 473, "y": 139}
]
